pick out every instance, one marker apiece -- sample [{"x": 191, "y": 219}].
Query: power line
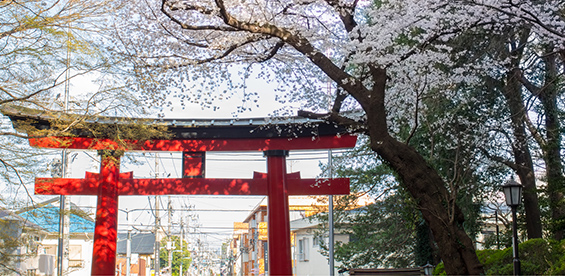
[{"x": 178, "y": 209}]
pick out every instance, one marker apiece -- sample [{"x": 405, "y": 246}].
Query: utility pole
[
  {"x": 157, "y": 240},
  {"x": 170, "y": 244},
  {"x": 128, "y": 246},
  {"x": 63, "y": 220},
  {"x": 63, "y": 204},
  {"x": 331, "y": 218},
  {"x": 181, "y": 250},
  {"x": 157, "y": 224}
]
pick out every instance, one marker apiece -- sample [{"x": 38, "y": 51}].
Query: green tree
[
  {"x": 380, "y": 234},
  {"x": 181, "y": 254}
]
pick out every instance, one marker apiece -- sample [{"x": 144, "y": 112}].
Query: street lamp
[
  {"x": 513, "y": 193},
  {"x": 428, "y": 269}
]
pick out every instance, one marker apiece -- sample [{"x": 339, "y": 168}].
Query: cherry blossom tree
[{"x": 383, "y": 59}]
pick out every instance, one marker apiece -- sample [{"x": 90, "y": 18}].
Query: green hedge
[{"x": 537, "y": 257}]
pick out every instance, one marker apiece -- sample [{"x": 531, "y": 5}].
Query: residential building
[
  {"x": 79, "y": 244},
  {"x": 19, "y": 239},
  {"x": 249, "y": 248},
  {"x": 308, "y": 259},
  {"x": 141, "y": 253}
]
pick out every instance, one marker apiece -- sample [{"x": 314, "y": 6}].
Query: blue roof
[{"x": 47, "y": 217}]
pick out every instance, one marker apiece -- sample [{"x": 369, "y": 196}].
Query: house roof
[
  {"x": 10, "y": 217},
  {"x": 312, "y": 222},
  {"x": 141, "y": 243},
  {"x": 46, "y": 216}
]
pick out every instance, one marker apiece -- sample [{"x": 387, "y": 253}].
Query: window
[
  {"x": 316, "y": 242},
  {"x": 75, "y": 256},
  {"x": 51, "y": 250},
  {"x": 303, "y": 250}
]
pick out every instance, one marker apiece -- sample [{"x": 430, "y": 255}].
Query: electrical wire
[{"x": 175, "y": 167}]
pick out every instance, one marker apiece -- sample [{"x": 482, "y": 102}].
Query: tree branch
[
  {"x": 532, "y": 19},
  {"x": 499, "y": 159},
  {"x": 338, "y": 102},
  {"x": 302, "y": 45},
  {"x": 345, "y": 13},
  {"x": 533, "y": 130},
  {"x": 273, "y": 51},
  {"x": 193, "y": 27},
  {"x": 529, "y": 85},
  {"x": 358, "y": 126}
]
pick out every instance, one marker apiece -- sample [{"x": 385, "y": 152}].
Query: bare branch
[
  {"x": 272, "y": 52},
  {"x": 534, "y": 131},
  {"x": 499, "y": 159},
  {"x": 193, "y": 27},
  {"x": 220, "y": 56},
  {"x": 416, "y": 112}
]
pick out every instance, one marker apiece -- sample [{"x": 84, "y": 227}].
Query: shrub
[{"x": 537, "y": 257}]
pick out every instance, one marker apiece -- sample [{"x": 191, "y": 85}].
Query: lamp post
[
  {"x": 428, "y": 269},
  {"x": 513, "y": 193}
]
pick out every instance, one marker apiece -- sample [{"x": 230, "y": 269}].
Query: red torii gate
[{"x": 276, "y": 183}]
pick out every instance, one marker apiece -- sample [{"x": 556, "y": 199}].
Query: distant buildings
[
  {"x": 307, "y": 256},
  {"x": 31, "y": 236},
  {"x": 19, "y": 243},
  {"x": 141, "y": 254},
  {"x": 248, "y": 250}
]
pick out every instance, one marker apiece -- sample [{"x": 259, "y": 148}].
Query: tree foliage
[
  {"x": 47, "y": 48},
  {"x": 180, "y": 252},
  {"x": 45, "y": 44}
]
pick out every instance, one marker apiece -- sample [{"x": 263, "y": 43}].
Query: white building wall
[
  {"x": 86, "y": 257},
  {"x": 309, "y": 261},
  {"x": 85, "y": 244}
]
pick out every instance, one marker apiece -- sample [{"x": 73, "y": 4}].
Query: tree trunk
[
  {"x": 424, "y": 184},
  {"x": 552, "y": 147},
  {"x": 522, "y": 157},
  {"x": 439, "y": 210}
]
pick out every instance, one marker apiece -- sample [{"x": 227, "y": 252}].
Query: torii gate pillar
[
  {"x": 278, "y": 228},
  {"x": 105, "y": 230}
]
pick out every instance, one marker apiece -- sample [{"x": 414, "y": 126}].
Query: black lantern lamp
[
  {"x": 513, "y": 193},
  {"x": 428, "y": 269}
]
